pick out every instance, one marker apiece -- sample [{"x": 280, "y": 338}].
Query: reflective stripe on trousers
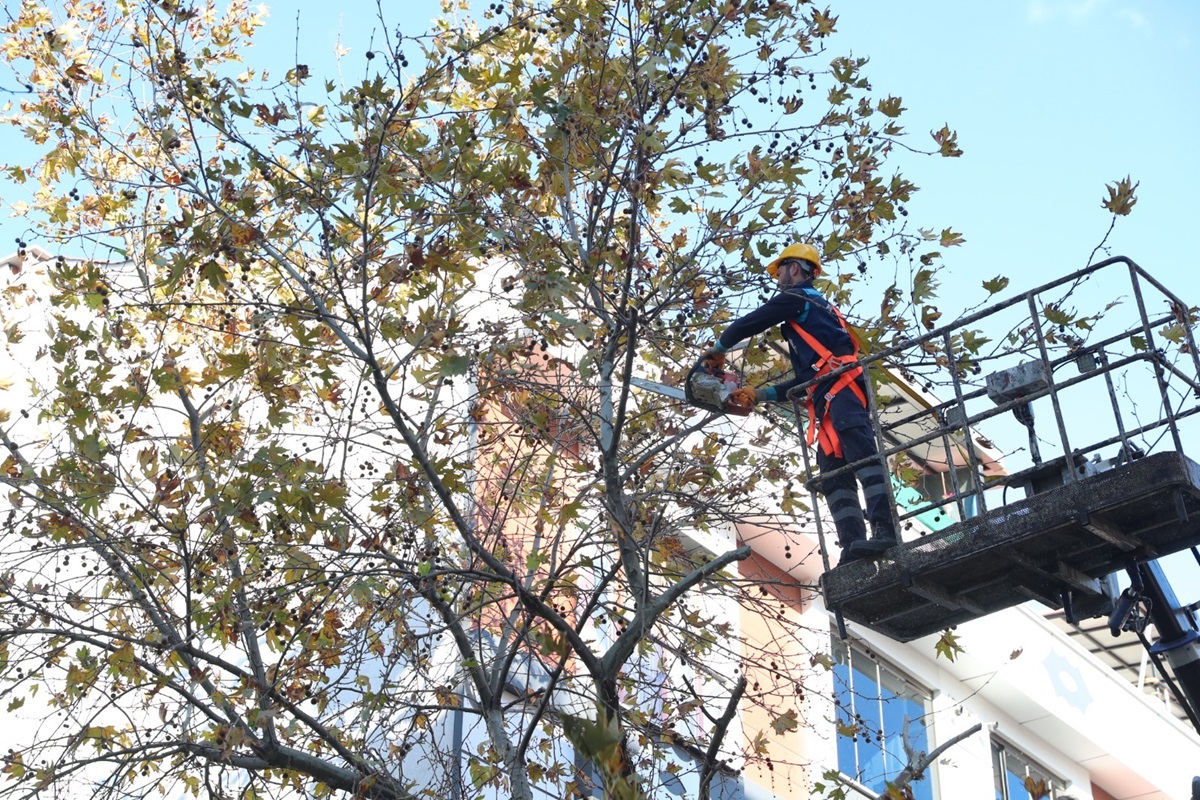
[{"x": 841, "y": 492}]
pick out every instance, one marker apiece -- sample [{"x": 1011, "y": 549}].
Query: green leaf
[
  {"x": 948, "y": 646},
  {"x": 924, "y": 286},
  {"x": 215, "y": 274},
  {"x": 297, "y": 75},
  {"x": 847, "y": 729},
  {"x": 91, "y": 446},
  {"x": 596, "y": 740},
  {"x": 996, "y": 284},
  {"x": 890, "y": 106},
  {"x": 823, "y": 22},
  {"x": 482, "y": 774},
  {"x": 972, "y": 341},
  {"x": 1056, "y": 316},
  {"x": 455, "y": 364},
  {"x": 550, "y": 644},
  {"x": 838, "y": 95},
  {"x": 712, "y": 173},
  {"x": 950, "y": 238}
]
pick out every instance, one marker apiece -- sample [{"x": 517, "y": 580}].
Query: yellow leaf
[
  {"x": 243, "y": 235},
  {"x": 824, "y": 659},
  {"x": 122, "y": 657},
  {"x": 786, "y": 722},
  {"x": 1037, "y": 788},
  {"x": 1121, "y": 198},
  {"x": 947, "y": 141},
  {"x": 948, "y": 646}
]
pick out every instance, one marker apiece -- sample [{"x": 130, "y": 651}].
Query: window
[
  {"x": 873, "y": 704},
  {"x": 1019, "y": 779}
]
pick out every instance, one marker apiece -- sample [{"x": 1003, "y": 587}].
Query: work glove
[
  {"x": 712, "y": 361},
  {"x": 744, "y": 397}
]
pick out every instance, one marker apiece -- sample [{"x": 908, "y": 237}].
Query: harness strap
[{"x": 827, "y": 362}]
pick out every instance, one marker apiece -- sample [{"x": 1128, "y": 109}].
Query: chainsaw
[
  {"x": 710, "y": 389},
  {"x": 704, "y": 388}
]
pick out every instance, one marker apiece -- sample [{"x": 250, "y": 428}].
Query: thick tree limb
[{"x": 648, "y": 614}]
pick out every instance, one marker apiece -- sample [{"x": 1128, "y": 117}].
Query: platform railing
[{"x": 1125, "y": 361}]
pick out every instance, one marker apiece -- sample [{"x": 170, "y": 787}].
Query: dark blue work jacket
[{"x": 811, "y": 311}]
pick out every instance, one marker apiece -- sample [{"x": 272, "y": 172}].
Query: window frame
[
  {"x": 876, "y": 755},
  {"x": 1002, "y": 751}
]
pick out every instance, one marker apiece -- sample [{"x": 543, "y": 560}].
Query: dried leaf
[{"x": 1121, "y": 198}]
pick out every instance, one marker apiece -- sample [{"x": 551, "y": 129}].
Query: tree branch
[
  {"x": 919, "y": 762},
  {"x": 709, "y": 769},
  {"x": 648, "y": 614}
]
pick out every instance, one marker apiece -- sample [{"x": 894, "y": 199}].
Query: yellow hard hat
[{"x": 801, "y": 250}]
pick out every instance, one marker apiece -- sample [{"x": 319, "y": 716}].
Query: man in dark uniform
[{"x": 819, "y": 342}]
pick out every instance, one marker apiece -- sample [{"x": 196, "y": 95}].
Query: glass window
[
  {"x": 1019, "y": 779},
  {"x": 873, "y": 704}
]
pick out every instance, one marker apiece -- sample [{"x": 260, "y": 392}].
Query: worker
[{"x": 819, "y": 342}]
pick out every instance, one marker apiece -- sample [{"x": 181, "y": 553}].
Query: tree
[{"x": 331, "y": 436}]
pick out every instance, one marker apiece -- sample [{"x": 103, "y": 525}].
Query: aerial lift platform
[
  {"x": 1109, "y": 489},
  {"x": 1054, "y": 547}
]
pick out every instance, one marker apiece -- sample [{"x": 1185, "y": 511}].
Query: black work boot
[
  {"x": 851, "y": 531},
  {"x": 883, "y": 538},
  {"x": 848, "y": 554}
]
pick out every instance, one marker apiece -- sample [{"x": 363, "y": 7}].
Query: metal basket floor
[{"x": 1060, "y": 540}]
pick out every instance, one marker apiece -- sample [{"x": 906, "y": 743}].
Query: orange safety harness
[{"x": 827, "y": 362}]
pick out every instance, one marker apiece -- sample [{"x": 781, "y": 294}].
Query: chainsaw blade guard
[{"x": 710, "y": 389}]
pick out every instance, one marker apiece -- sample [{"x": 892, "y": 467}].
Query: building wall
[
  {"x": 1026, "y": 683},
  {"x": 784, "y": 645}
]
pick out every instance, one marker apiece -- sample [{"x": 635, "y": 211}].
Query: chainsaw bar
[
  {"x": 673, "y": 392},
  {"x": 704, "y": 390}
]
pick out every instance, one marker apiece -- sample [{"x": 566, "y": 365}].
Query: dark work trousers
[{"x": 841, "y": 492}]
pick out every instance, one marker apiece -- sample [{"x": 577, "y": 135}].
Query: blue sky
[{"x": 1052, "y": 99}]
